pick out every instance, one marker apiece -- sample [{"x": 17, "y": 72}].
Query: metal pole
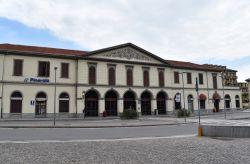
[
  {"x": 3, "y": 71},
  {"x": 197, "y": 90},
  {"x": 55, "y": 98},
  {"x": 225, "y": 112},
  {"x": 183, "y": 97}
]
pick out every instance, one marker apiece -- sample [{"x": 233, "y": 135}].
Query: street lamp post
[{"x": 55, "y": 68}]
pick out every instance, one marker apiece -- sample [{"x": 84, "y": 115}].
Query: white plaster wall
[
  {"x": 29, "y": 93},
  {"x": 30, "y": 68}
]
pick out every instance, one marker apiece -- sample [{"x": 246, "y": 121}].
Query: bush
[
  {"x": 181, "y": 112},
  {"x": 129, "y": 114}
]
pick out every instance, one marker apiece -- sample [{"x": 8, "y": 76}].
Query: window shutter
[
  {"x": 161, "y": 79},
  {"x": 129, "y": 77},
  {"x": 146, "y": 78}
]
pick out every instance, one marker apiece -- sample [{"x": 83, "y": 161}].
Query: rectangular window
[
  {"x": 201, "y": 78},
  {"x": 129, "y": 76},
  {"x": 176, "y": 77},
  {"x": 18, "y": 67},
  {"x": 214, "y": 81},
  {"x": 146, "y": 78},
  {"x": 43, "y": 69},
  {"x": 65, "y": 70},
  {"x": 111, "y": 75},
  {"x": 189, "y": 78},
  {"x": 161, "y": 78}
]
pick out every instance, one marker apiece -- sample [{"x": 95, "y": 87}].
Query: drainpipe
[
  {"x": 3, "y": 84},
  {"x": 76, "y": 84},
  {"x": 207, "y": 90}
]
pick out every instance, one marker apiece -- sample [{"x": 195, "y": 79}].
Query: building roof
[
  {"x": 128, "y": 45},
  {"x": 40, "y": 50},
  {"x": 247, "y": 80},
  {"x": 221, "y": 67},
  {"x": 57, "y": 52},
  {"x": 189, "y": 65}
]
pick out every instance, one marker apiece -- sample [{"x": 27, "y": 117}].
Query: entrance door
[
  {"x": 161, "y": 103},
  {"x": 177, "y": 101},
  {"x": 91, "y": 104},
  {"x": 227, "y": 101},
  {"x": 202, "y": 104},
  {"x": 129, "y": 101},
  {"x": 217, "y": 104},
  {"x": 41, "y": 104},
  {"x": 16, "y": 102},
  {"x": 237, "y": 101},
  {"x": 64, "y": 103},
  {"x": 190, "y": 103},
  {"x": 146, "y": 103},
  {"x": 111, "y": 103}
]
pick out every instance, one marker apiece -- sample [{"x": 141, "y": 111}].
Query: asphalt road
[{"x": 95, "y": 133}]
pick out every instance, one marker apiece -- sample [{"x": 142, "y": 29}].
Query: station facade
[{"x": 38, "y": 81}]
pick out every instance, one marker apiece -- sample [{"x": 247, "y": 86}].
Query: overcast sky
[{"x": 201, "y": 31}]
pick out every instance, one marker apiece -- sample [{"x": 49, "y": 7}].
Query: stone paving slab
[{"x": 190, "y": 150}]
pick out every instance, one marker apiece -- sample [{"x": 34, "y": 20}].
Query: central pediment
[{"x": 127, "y": 52}]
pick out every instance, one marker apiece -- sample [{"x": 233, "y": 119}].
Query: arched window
[
  {"x": 129, "y": 77},
  {"x": 111, "y": 76},
  {"x": 161, "y": 78},
  {"x": 146, "y": 78},
  {"x": 92, "y": 75}
]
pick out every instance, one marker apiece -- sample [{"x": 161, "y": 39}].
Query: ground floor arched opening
[
  {"x": 129, "y": 101},
  {"x": 202, "y": 99},
  {"x": 64, "y": 103},
  {"x": 216, "y": 100},
  {"x": 16, "y": 101},
  {"x": 190, "y": 103},
  {"x": 237, "y": 101},
  {"x": 111, "y": 103},
  {"x": 161, "y": 99},
  {"x": 91, "y": 104},
  {"x": 227, "y": 101},
  {"x": 41, "y": 104},
  {"x": 177, "y": 101},
  {"x": 146, "y": 103}
]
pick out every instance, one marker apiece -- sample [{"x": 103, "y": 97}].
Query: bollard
[{"x": 199, "y": 131}]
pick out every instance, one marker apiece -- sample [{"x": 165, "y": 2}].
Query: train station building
[{"x": 35, "y": 81}]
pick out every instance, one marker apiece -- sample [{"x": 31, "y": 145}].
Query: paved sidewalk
[
  {"x": 240, "y": 118},
  {"x": 92, "y": 123}
]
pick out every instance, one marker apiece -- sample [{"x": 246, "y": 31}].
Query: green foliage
[
  {"x": 129, "y": 114},
  {"x": 183, "y": 112}
]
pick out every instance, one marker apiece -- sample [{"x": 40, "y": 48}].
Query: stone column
[
  {"x": 101, "y": 107},
  {"x": 154, "y": 106},
  {"x": 120, "y": 105},
  {"x": 138, "y": 106}
]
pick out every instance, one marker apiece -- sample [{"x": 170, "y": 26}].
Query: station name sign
[{"x": 35, "y": 80}]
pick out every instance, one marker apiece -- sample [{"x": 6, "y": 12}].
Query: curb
[{"x": 74, "y": 126}]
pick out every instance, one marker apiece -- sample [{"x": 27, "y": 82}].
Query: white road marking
[{"x": 98, "y": 140}]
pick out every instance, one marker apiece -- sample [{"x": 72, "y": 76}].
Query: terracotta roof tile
[
  {"x": 189, "y": 65},
  {"x": 40, "y": 50}
]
